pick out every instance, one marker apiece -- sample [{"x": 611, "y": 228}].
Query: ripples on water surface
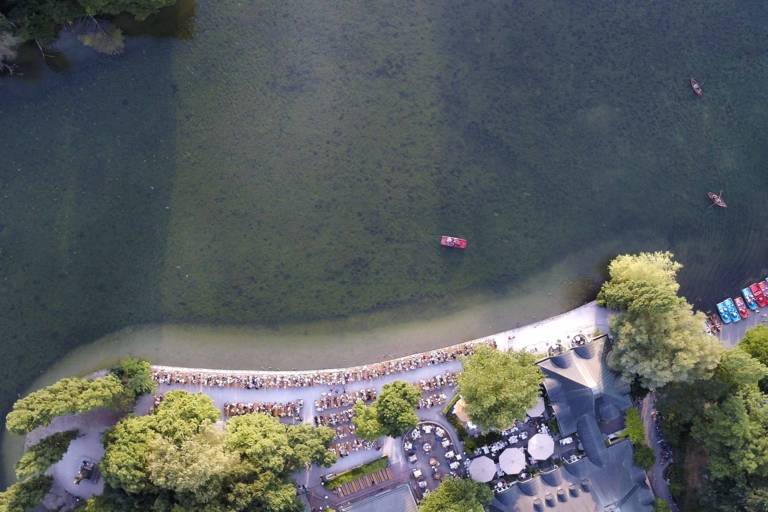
[{"x": 294, "y": 161}]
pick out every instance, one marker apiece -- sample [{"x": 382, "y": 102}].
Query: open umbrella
[
  {"x": 541, "y": 446},
  {"x": 482, "y": 469},
  {"x": 512, "y": 461}
]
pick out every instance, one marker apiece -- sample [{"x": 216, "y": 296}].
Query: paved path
[
  {"x": 731, "y": 334},
  {"x": 656, "y": 474},
  {"x": 537, "y": 337}
]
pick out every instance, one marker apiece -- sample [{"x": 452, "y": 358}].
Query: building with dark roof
[
  {"x": 614, "y": 485},
  {"x": 578, "y": 383},
  {"x": 588, "y": 400}
]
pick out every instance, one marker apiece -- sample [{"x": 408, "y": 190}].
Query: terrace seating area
[{"x": 432, "y": 455}]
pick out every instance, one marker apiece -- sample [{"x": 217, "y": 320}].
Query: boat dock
[{"x": 731, "y": 334}]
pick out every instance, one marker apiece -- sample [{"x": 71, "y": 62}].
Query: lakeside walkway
[{"x": 537, "y": 338}]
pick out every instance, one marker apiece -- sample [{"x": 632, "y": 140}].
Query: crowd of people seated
[
  {"x": 432, "y": 400},
  {"x": 346, "y": 447},
  {"x": 334, "y": 399},
  {"x": 334, "y": 418},
  {"x": 344, "y": 431},
  {"x": 272, "y": 380},
  {"x": 439, "y": 381},
  {"x": 277, "y": 409}
]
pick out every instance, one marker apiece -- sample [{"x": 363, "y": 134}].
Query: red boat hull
[
  {"x": 760, "y": 298},
  {"x": 453, "y": 242},
  {"x": 742, "y": 307}
]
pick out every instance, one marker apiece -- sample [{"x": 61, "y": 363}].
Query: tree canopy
[
  {"x": 136, "y": 376},
  {"x": 44, "y": 454},
  {"x": 755, "y": 343},
  {"x": 644, "y": 282},
  {"x": 67, "y": 396},
  {"x": 25, "y": 495},
  {"x": 658, "y": 337},
  {"x": 662, "y": 348},
  {"x": 734, "y": 433},
  {"x": 457, "y": 495},
  {"x": 40, "y": 20},
  {"x": 179, "y": 458},
  {"x": 727, "y": 415},
  {"x": 498, "y": 387},
  {"x": 391, "y": 414}
]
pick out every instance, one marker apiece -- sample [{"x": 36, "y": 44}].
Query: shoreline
[
  {"x": 525, "y": 338},
  {"x": 86, "y": 360}
]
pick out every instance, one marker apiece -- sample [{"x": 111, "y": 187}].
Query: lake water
[{"x": 284, "y": 163}]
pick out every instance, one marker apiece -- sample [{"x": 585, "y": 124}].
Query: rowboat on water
[
  {"x": 717, "y": 199},
  {"x": 453, "y": 242},
  {"x": 741, "y": 307},
  {"x": 724, "y": 313},
  {"x": 749, "y": 298},
  {"x": 733, "y": 311},
  {"x": 696, "y": 87},
  {"x": 761, "y": 295}
]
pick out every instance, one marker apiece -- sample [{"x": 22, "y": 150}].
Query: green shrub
[
  {"x": 44, "y": 454},
  {"x": 644, "y": 456},
  {"x": 358, "y": 472}
]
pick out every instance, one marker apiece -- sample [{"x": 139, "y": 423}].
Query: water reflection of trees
[
  {"x": 30, "y": 59},
  {"x": 176, "y": 21}
]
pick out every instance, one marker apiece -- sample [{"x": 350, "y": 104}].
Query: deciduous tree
[
  {"x": 135, "y": 375},
  {"x": 25, "y": 495},
  {"x": 734, "y": 433},
  {"x": 644, "y": 282},
  {"x": 658, "y": 338},
  {"x": 664, "y": 347},
  {"x": 67, "y": 396},
  {"x": 391, "y": 414},
  {"x": 755, "y": 343},
  {"x": 44, "y": 454},
  {"x": 180, "y": 459},
  {"x": 457, "y": 495},
  {"x": 498, "y": 387},
  {"x": 140, "y": 9}
]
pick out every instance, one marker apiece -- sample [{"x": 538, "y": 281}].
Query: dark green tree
[
  {"x": 44, "y": 454},
  {"x": 498, "y": 387},
  {"x": 757, "y": 499},
  {"x": 136, "y": 376},
  {"x": 67, "y": 396},
  {"x": 391, "y": 414},
  {"x": 457, "y": 495},
  {"x": 734, "y": 433},
  {"x": 180, "y": 459},
  {"x": 139, "y": 9},
  {"x": 755, "y": 343},
  {"x": 25, "y": 495}
]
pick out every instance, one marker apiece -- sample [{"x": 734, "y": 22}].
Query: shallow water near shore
[{"x": 290, "y": 165}]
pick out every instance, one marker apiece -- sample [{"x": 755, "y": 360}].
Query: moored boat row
[{"x": 752, "y": 297}]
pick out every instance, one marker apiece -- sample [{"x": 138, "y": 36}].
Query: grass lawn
[{"x": 360, "y": 471}]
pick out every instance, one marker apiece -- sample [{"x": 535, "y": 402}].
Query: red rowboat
[
  {"x": 741, "y": 306},
  {"x": 696, "y": 87},
  {"x": 760, "y": 297},
  {"x": 453, "y": 242}
]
